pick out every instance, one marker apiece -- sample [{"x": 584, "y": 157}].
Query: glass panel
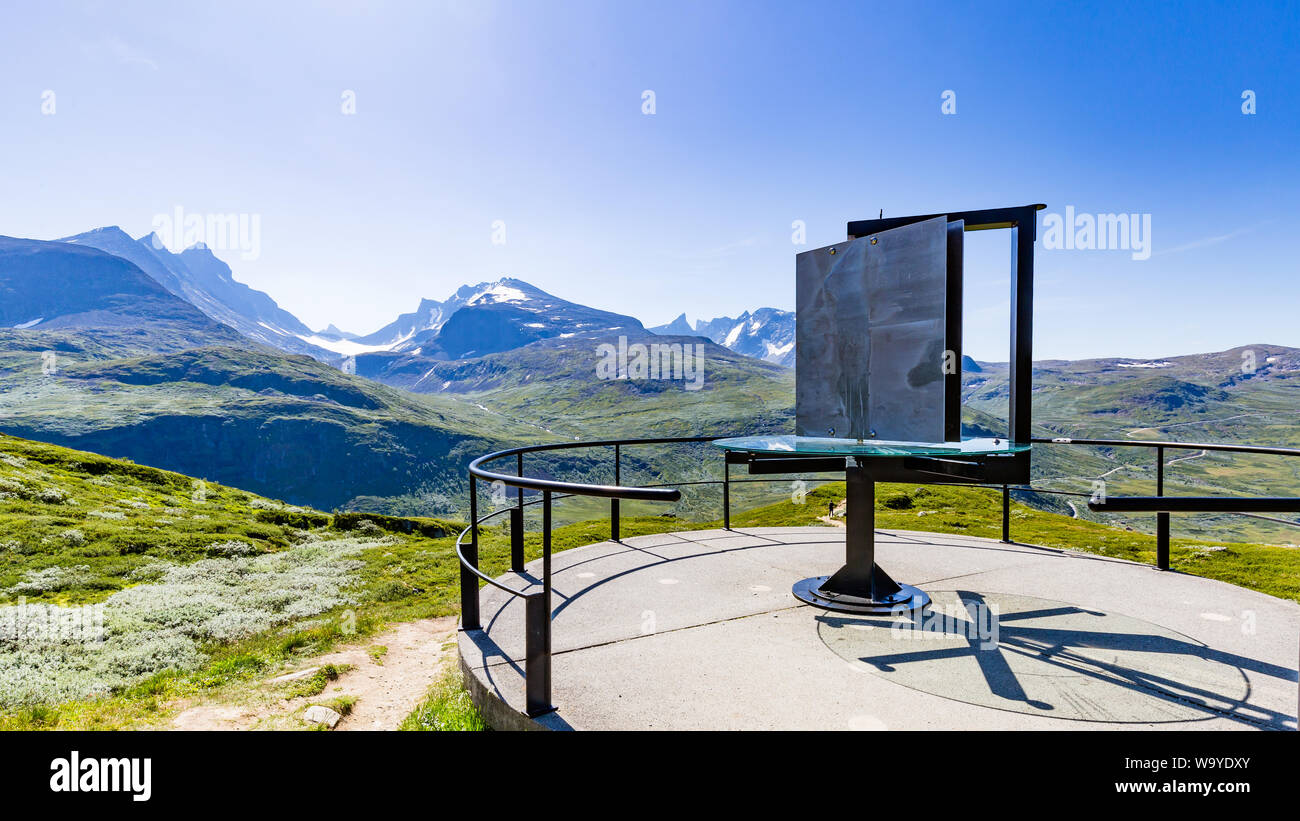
[{"x": 817, "y": 445}]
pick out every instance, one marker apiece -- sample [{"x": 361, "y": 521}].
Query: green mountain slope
[
  {"x": 554, "y": 384},
  {"x": 278, "y": 424},
  {"x": 1247, "y": 395},
  {"x": 123, "y": 586},
  {"x": 553, "y": 387}
]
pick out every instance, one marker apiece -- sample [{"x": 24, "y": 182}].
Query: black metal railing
[
  {"x": 1163, "y": 505},
  {"x": 537, "y": 603}
]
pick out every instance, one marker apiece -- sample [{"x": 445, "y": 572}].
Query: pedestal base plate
[{"x": 908, "y": 599}]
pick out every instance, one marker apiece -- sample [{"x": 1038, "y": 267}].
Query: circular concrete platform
[{"x": 699, "y": 630}]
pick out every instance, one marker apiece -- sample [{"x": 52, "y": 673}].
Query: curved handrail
[
  {"x": 537, "y": 603},
  {"x": 577, "y": 488},
  {"x": 465, "y": 563},
  {"x": 656, "y": 493}
]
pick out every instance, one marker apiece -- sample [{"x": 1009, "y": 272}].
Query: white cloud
[
  {"x": 1207, "y": 241},
  {"x": 115, "y": 48}
]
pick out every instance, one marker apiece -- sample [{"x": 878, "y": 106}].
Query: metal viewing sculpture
[{"x": 878, "y": 381}]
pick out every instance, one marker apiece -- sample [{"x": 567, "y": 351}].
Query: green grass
[
  {"x": 447, "y": 707},
  {"x": 315, "y": 684},
  {"x": 405, "y": 576},
  {"x": 341, "y": 704},
  {"x": 119, "y": 521},
  {"x": 165, "y": 523}
]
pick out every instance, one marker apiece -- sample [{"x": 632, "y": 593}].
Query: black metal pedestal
[{"x": 860, "y": 586}]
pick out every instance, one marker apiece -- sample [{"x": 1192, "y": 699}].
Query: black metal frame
[
  {"x": 860, "y": 585},
  {"x": 1023, "y": 222},
  {"x": 537, "y": 665}
]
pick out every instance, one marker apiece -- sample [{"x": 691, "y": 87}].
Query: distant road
[
  {"x": 1185, "y": 458},
  {"x": 1133, "y": 431}
]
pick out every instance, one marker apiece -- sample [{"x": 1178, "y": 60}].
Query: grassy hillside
[
  {"x": 121, "y": 585},
  {"x": 553, "y": 384},
  {"x": 292, "y": 427},
  {"x": 275, "y": 423},
  {"x": 201, "y": 587},
  {"x": 550, "y": 390}
]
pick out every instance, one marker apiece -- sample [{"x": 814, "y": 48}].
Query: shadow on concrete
[{"x": 1057, "y": 648}]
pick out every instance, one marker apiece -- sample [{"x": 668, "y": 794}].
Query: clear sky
[{"x": 531, "y": 114}]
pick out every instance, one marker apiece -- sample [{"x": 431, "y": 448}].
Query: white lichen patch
[{"x": 165, "y": 623}]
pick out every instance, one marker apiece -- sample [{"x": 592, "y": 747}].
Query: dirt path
[
  {"x": 386, "y": 687},
  {"x": 837, "y": 520},
  {"x": 388, "y": 690}
]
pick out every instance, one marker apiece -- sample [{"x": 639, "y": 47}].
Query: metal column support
[
  {"x": 516, "y": 540},
  {"x": 860, "y": 573},
  {"x": 1021, "y": 369},
  {"x": 517, "y": 524},
  {"x": 860, "y": 586}
]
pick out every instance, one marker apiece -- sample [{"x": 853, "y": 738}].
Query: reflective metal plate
[{"x": 870, "y": 336}]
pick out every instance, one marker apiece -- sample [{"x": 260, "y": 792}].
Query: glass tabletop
[{"x": 824, "y": 446}]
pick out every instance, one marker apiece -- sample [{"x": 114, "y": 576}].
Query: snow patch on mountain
[
  {"x": 347, "y": 347},
  {"x": 767, "y": 333}
]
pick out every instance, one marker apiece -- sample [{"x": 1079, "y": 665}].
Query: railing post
[
  {"x": 537, "y": 655},
  {"x": 726, "y": 493},
  {"x": 546, "y": 548},
  {"x": 517, "y": 523},
  {"x": 517, "y": 540},
  {"x": 469, "y": 618},
  {"x": 1162, "y": 519},
  {"x": 613, "y": 503},
  {"x": 537, "y": 615},
  {"x": 1006, "y": 515}
]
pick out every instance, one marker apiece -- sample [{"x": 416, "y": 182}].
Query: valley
[{"x": 170, "y": 362}]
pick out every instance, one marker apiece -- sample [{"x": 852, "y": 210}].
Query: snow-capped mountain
[
  {"x": 429, "y": 316},
  {"x": 487, "y": 318},
  {"x": 200, "y": 278},
  {"x": 510, "y": 313},
  {"x": 49, "y": 286},
  {"x": 767, "y": 333},
  {"x": 476, "y": 320}
]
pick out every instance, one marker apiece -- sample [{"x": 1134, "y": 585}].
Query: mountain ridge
[
  {"x": 765, "y": 333},
  {"x": 197, "y": 276}
]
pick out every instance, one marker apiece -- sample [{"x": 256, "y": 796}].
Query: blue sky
[{"x": 531, "y": 114}]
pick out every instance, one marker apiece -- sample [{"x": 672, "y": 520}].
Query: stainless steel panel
[{"x": 870, "y": 336}]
